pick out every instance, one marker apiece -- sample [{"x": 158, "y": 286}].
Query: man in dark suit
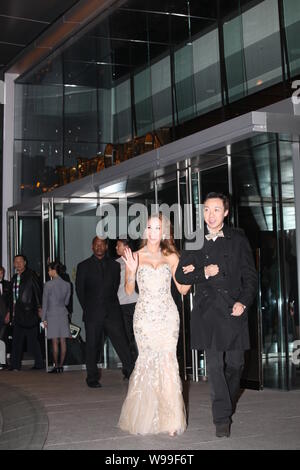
[
  {"x": 226, "y": 281},
  {"x": 5, "y": 290},
  {"x": 97, "y": 283}
]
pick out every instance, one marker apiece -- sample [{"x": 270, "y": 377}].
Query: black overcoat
[
  {"x": 97, "y": 284},
  {"x": 29, "y": 300},
  {"x": 212, "y": 326}
]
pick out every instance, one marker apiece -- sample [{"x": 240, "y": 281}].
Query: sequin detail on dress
[{"x": 154, "y": 402}]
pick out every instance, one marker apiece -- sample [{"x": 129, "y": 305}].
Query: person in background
[
  {"x": 56, "y": 297},
  {"x": 97, "y": 283},
  {"x": 5, "y": 308},
  {"x": 27, "y": 301},
  {"x": 3, "y": 322},
  {"x": 127, "y": 301},
  {"x": 5, "y": 290},
  {"x": 66, "y": 277}
]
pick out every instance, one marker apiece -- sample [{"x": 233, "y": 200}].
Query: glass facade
[
  {"x": 265, "y": 208},
  {"x": 148, "y": 75},
  {"x": 134, "y": 81},
  {"x": 292, "y": 24},
  {"x": 252, "y": 49}
]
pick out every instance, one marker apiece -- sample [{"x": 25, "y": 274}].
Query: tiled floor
[{"x": 61, "y": 412}]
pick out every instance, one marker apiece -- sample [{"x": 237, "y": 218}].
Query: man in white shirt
[{"x": 127, "y": 302}]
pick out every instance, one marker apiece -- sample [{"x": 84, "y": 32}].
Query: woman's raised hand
[{"x": 131, "y": 260}]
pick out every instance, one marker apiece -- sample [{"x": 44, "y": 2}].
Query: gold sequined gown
[{"x": 154, "y": 402}]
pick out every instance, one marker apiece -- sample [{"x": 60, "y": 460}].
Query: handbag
[{"x": 74, "y": 330}]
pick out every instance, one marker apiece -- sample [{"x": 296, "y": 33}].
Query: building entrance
[{"x": 255, "y": 160}]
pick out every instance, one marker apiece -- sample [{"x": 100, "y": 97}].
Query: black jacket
[
  {"x": 212, "y": 326},
  {"x": 97, "y": 284},
  {"x": 3, "y": 311},
  {"x": 5, "y": 301},
  {"x": 29, "y": 299},
  {"x": 7, "y": 295}
]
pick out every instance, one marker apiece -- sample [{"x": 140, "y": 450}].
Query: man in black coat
[
  {"x": 97, "y": 283},
  {"x": 5, "y": 308},
  {"x": 5, "y": 290},
  {"x": 226, "y": 281},
  {"x": 27, "y": 301}
]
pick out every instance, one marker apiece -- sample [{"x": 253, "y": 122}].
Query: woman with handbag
[{"x": 56, "y": 297}]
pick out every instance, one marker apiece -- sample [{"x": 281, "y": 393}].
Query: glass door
[
  {"x": 69, "y": 226},
  {"x": 264, "y": 184},
  {"x": 202, "y": 177},
  {"x": 187, "y": 184},
  {"x": 189, "y": 199},
  {"x": 12, "y": 240},
  {"x": 181, "y": 187}
]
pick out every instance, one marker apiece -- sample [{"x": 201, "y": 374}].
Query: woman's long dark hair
[{"x": 167, "y": 244}]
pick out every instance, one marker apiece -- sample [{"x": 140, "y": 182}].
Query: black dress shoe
[
  {"x": 94, "y": 384},
  {"x": 126, "y": 374},
  {"x": 223, "y": 430}
]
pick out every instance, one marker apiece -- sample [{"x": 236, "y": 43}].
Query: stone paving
[{"x": 59, "y": 412}]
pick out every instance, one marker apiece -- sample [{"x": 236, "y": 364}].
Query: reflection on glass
[
  {"x": 292, "y": 23},
  {"x": 80, "y": 114},
  {"x": 30, "y": 242},
  {"x": 143, "y": 102},
  {"x": 122, "y": 112},
  {"x": 264, "y": 193},
  {"x": 252, "y": 48},
  {"x": 38, "y": 112},
  {"x": 36, "y": 164},
  {"x": 185, "y": 86},
  {"x": 145, "y": 69}
]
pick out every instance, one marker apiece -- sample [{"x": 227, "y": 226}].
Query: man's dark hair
[
  {"x": 19, "y": 255},
  {"x": 214, "y": 195},
  {"x": 104, "y": 239},
  {"x": 125, "y": 241},
  {"x": 2, "y": 269}
]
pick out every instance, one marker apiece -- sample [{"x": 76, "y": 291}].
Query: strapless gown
[{"x": 154, "y": 402}]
